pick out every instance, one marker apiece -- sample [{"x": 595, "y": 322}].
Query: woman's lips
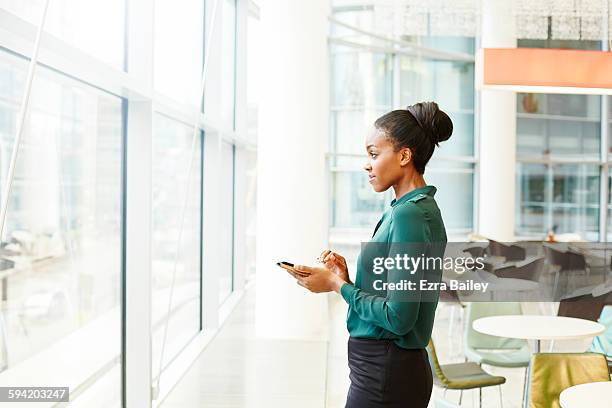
[{"x": 371, "y": 178}]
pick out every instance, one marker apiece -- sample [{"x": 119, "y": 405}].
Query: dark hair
[{"x": 419, "y": 127}]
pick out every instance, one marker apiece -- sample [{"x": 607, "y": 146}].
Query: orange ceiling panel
[{"x": 547, "y": 67}]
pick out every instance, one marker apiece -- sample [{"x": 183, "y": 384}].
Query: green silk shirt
[{"x": 413, "y": 226}]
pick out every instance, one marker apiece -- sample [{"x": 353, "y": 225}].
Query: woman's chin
[{"x": 378, "y": 188}]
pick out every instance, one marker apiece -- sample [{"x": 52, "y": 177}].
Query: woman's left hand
[{"x": 319, "y": 279}]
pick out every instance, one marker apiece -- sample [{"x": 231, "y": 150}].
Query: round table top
[
  {"x": 535, "y": 327},
  {"x": 596, "y": 394}
]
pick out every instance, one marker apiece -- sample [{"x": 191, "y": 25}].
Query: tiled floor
[{"x": 239, "y": 370}]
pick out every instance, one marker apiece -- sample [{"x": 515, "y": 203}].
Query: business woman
[{"x": 389, "y": 330}]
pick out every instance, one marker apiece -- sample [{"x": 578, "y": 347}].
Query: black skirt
[{"x": 386, "y": 375}]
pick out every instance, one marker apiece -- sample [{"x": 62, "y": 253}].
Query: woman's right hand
[{"x": 336, "y": 263}]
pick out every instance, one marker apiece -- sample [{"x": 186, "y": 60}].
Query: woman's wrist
[{"x": 337, "y": 283}]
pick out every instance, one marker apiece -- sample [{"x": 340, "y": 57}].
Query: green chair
[
  {"x": 551, "y": 373},
  {"x": 461, "y": 376},
  {"x": 603, "y": 343},
  {"x": 492, "y": 350}
]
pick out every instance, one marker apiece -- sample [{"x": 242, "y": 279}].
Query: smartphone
[{"x": 289, "y": 266}]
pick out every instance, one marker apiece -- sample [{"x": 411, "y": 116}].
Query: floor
[{"x": 239, "y": 370}]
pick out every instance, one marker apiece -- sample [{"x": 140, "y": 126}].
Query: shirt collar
[{"x": 429, "y": 190}]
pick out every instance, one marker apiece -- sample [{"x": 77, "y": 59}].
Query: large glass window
[
  {"x": 179, "y": 49},
  {"x": 559, "y": 197},
  {"x": 96, "y": 27},
  {"x": 364, "y": 86},
  {"x": 362, "y": 90},
  {"x": 228, "y": 57},
  {"x": 175, "y": 253},
  {"x": 228, "y": 166},
  {"x": 451, "y": 85},
  {"x": 558, "y": 158},
  {"x": 254, "y": 67},
  {"x": 558, "y": 125},
  {"x": 60, "y": 258},
  {"x": 455, "y": 183}
]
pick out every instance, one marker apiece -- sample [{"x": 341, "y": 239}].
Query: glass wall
[
  {"x": 176, "y": 240},
  {"x": 179, "y": 49},
  {"x": 95, "y": 27},
  {"x": 226, "y": 236},
  {"x": 362, "y": 90},
  {"x": 365, "y": 84},
  {"x": 61, "y": 252},
  {"x": 558, "y": 159},
  {"x": 228, "y": 76},
  {"x": 67, "y": 249},
  {"x": 451, "y": 85}
]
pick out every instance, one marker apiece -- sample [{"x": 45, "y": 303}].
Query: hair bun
[{"x": 434, "y": 122}]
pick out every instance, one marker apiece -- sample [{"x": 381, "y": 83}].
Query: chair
[
  {"x": 551, "y": 373},
  {"x": 492, "y": 350},
  {"x": 476, "y": 251},
  {"x": 603, "y": 343},
  {"x": 510, "y": 252},
  {"x": 461, "y": 376},
  {"x": 563, "y": 261},
  {"x": 529, "y": 270},
  {"x": 586, "y": 306}
]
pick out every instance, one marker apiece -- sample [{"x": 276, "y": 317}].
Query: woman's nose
[{"x": 367, "y": 166}]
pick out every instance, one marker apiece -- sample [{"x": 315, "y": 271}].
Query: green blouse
[{"x": 411, "y": 227}]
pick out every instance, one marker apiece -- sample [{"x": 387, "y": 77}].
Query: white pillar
[
  {"x": 292, "y": 200},
  {"x": 497, "y": 133}
]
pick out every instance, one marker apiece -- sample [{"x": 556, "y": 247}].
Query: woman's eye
[{"x": 373, "y": 155}]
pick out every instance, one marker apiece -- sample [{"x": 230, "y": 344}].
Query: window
[
  {"x": 367, "y": 83},
  {"x": 451, "y": 85},
  {"x": 228, "y": 75},
  {"x": 228, "y": 166},
  {"x": 61, "y": 250},
  {"x": 179, "y": 49},
  {"x": 172, "y": 182},
  {"x": 362, "y": 90},
  {"x": 95, "y": 27},
  {"x": 559, "y": 159}
]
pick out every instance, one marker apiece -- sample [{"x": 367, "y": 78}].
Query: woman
[{"x": 390, "y": 328}]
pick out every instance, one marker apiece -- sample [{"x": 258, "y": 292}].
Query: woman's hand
[
  {"x": 319, "y": 279},
  {"x": 336, "y": 263}
]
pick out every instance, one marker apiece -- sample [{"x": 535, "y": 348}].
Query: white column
[
  {"x": 137, "y": 358},
  {"x": 292, "y": 207},
  {"x": 497, "y": 168}
]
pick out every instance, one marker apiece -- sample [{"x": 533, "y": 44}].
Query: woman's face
[{"x": 385, "y": 166}]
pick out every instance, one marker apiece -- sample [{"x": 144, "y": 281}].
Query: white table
[
  {"x": 534, "y": 327},
  {"x": 593, "y": 395}
]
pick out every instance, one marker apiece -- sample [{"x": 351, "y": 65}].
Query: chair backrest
[
  {"x": 529, "y": 271},
  {"x": 556, "y": 257},
  {"x": 436, "y": 368},
  {"x": 582, "y": 307},
  {"x": 510, "y": 252},
  {"x": 564, "y": 259},
  {"x": 476, "y": 340},
  {"x": 476, "y": 251},
  {"x": 551, "y": 373},
  {"x": 515, "y": 253},
  {"x": 603, "y": 342}
]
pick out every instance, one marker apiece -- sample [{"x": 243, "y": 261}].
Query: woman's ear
[{"x": 405, "y": 156}]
